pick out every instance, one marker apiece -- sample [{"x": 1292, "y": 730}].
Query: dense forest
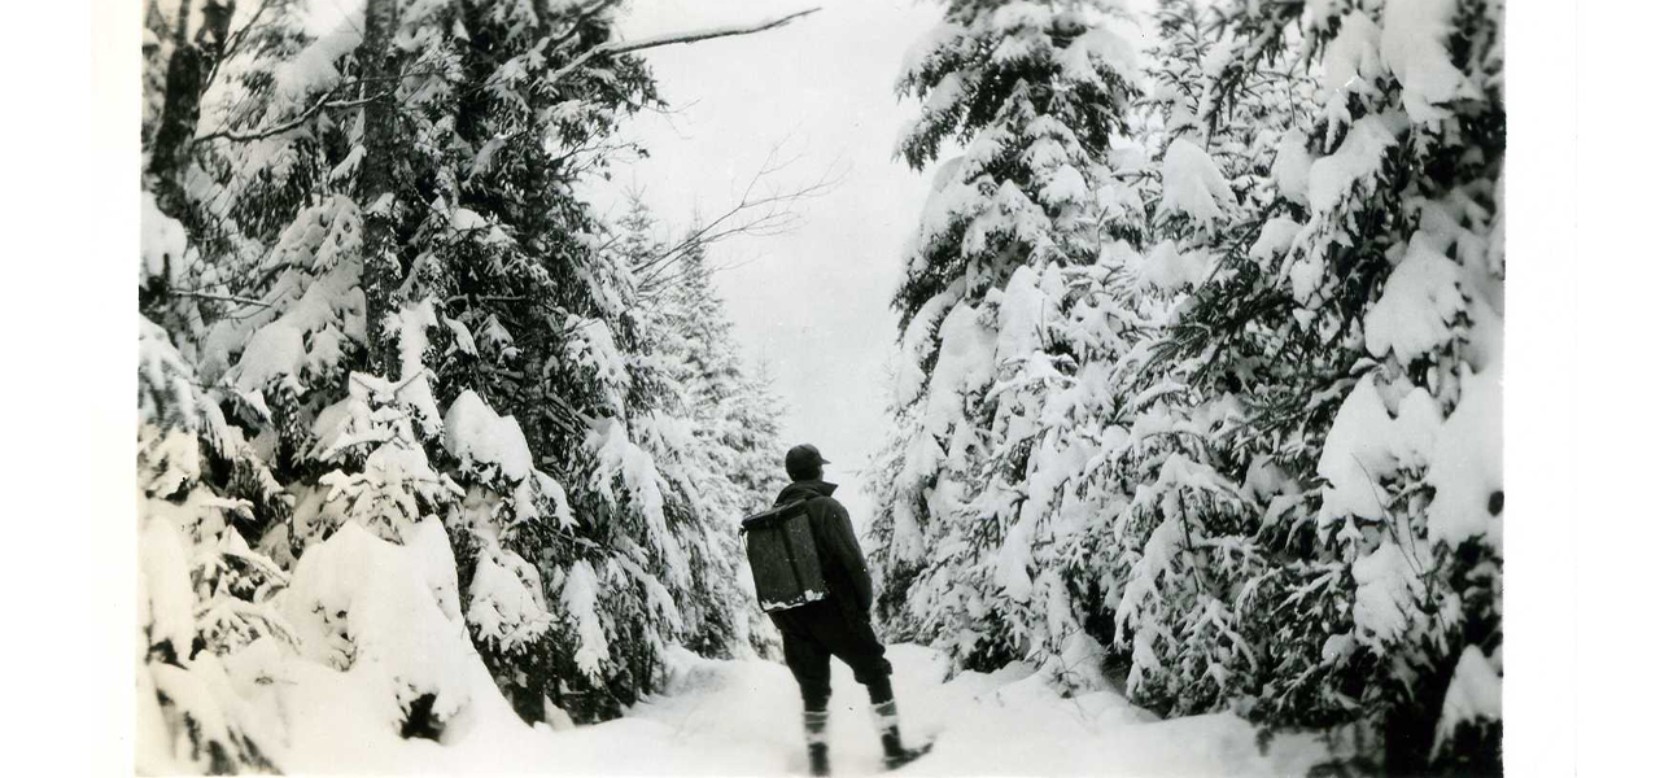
[
  {"x": 1199, "y": 390},
  {"x": 404, "y": 399},
  {"x": 1202, "y": 366}
]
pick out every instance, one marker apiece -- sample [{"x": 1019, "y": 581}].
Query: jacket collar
[{"x": 805, "y": 490}]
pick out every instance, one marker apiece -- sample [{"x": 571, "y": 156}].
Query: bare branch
[
  {"x": 761, "y": 211},
  {"x": 693, "y": 36},
  {"x": 620, "y": 47},
  {"x": 601, "y": 150}
]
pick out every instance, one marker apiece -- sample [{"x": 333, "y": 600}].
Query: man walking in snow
[{"x": 838, "y": 625}]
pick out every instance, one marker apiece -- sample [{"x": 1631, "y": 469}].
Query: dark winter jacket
[{"x": 838, "y": 549}]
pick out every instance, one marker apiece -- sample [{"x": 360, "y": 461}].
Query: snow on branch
[
  {"x": 295, "y": 123},
  {"x": 224, "y": 298},
  {"x": 604, "y": 49},
  {"x": 620, "y": 47}
]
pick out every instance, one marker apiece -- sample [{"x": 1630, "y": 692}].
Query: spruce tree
[
  {"x": 389, "y": 349},
  {"x": 726, "y": 421},
  {"x": 1010, "y": 237},
  {"x": 1256, "y": 446},
  {"x": 1356, "y": 318},
  {"x": 1187, "y": 543}
]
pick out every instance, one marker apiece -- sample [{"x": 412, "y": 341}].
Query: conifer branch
[
  {"x": 305, "y": 116},
  {"x": 583, "y": 15},
  {"x": 227, "y": 298}
]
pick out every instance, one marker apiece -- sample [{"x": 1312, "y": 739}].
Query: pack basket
[{"x": 783, "y": 557}]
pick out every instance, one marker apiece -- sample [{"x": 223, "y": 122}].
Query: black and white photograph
[
  {"x": 615, "y": 387},
  {"x": 814, "y": 387}
]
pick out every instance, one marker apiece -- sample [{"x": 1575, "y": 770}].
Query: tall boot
[
  {"x": 894, "y": 752},
  {"x": 818, "y": 746}
]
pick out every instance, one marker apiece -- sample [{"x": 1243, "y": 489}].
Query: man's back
[{"x": 840, "y": 558}]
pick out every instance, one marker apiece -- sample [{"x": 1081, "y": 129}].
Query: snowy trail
[{"x": 744, "y": 718}]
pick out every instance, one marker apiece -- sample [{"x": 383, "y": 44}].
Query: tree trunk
[
  {"x": 181, "y": 107},
  {"x": 377, "y": 185},
  {"x": 169, "y": 149}
]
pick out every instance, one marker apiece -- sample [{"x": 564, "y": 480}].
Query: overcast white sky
[{"x": 813, "y": 303}]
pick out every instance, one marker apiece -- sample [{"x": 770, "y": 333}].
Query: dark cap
[{"x": 804, "y": 461}]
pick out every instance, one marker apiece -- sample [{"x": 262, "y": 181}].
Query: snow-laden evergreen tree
[
  {"x": 726, "y": 463},
  {"x": 202, "y": 591},
  {"x": 1185, "y": 545},
  {"x": 403, "y": 395},
  {"x": 386, "y": 287},
  {"x": 1353, "y": 320},
  {"x": 1276, "y": 485},
  {"x": 1009, "y": 248}
]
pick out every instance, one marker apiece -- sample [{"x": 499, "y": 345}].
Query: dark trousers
[{"x": 817, "y": 631}]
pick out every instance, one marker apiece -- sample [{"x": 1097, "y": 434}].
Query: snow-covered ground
[{"x": 743, "y": 718}]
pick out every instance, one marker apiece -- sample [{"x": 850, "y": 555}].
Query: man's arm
[{"x": 844, "y": 548}]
